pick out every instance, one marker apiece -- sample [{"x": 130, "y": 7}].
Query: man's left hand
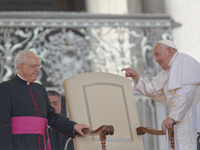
[
  {"x": 79, "y": 127},
  {"x": 167, "y": 123}
]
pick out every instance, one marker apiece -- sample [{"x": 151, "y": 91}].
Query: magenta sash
[{"x": 30, "y": 125}]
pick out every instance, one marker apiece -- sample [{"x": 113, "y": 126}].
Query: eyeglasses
[{"x": 34, "y": 66}]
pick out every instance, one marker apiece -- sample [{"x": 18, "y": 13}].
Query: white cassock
[{"x": 179, "y": 87}]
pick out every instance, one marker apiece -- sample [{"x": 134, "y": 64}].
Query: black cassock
[
  {"x": 18, "y": 99},
  {"x": 58, "y": 140}
]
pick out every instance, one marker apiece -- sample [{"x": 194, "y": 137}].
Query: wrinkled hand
[
  {"x": 129, "y": 72},
  {"x": 167, "y": 123},
  {"x": 79, "y": 127}
]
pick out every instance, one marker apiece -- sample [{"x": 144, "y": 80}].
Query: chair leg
[
  {"x": 171, "y": 137},
  {"x": 103, "y": 145},
  {"x": 103, "y": 140}
]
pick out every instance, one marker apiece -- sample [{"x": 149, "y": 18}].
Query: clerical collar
[
  {"x": 23, "y": 79},
  {"x": 172, "y": 60}
]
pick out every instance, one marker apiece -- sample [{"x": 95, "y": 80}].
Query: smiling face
[
  {"x": 162, "y": 55},
  {"x": 30, "y": 68}
]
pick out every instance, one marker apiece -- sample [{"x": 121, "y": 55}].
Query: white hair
[{"x": 22, "y": 57}]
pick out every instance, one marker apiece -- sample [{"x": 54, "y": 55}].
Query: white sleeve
[
  {"x": 146, "y": 88},
  {"x": 182, "y": 101}
]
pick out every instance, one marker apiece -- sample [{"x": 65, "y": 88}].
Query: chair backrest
[{"x": 99, "y": 99}]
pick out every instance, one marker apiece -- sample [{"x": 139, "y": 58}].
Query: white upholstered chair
[{"x": 99, "y": 99}]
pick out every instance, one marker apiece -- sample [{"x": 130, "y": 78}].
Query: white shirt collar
[
  {"x": 172, "y": 60},
  {"x": 23, "y": 79}
]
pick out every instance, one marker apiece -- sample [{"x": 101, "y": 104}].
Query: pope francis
[{"x": 178, "y": 85}]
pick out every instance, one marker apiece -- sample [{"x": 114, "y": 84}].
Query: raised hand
[{"x": 129, "y": 72}]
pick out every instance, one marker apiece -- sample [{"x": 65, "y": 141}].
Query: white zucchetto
[{"x": 168, "y": 43}]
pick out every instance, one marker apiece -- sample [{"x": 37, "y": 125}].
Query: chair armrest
[
  {"x": 104, "y": 129},
  {"x": 143, "y": 130}
]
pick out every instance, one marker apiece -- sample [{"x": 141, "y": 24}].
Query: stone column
[
  {"x": 153, "y": 6},
  {"x": 111, "y": 44},
  {"x": 106, "y": 6},
  {"x": 134, "y": 6}
]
